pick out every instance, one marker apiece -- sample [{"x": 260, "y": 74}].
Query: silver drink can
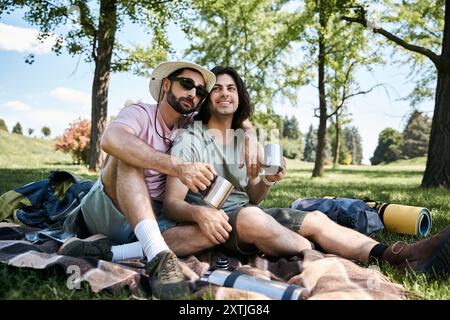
[
  {"x": 273, "y": 159},
  {"x": 219, "y": 190}
]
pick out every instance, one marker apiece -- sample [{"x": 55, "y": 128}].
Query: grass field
[{"x": 23, "y": 160}]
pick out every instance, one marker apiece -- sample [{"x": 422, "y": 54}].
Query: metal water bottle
[{"x": 273, "y": 289}]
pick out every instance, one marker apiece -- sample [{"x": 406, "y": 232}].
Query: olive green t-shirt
[{"x": 196, "y": 144}]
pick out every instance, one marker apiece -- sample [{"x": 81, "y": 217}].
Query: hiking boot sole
[
  {"x": 68, "y": 243},
  {"x": 439, "y": 264},
  {"x": 175, "y": 291},
  {"x": 184, "y": 296}
]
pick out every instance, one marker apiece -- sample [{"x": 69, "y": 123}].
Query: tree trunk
[
  {"x": 106, "y": 37},
  {"x": 322, "y": 131},
  {"x": 337, "y": 144},
  {"x": 437, "y": 172},
  {"x": 355, "y": 149}
]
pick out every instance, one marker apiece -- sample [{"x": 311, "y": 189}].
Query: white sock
[
  {"x": 127, "y": 251},
  {"x": 148, "y": 234}
]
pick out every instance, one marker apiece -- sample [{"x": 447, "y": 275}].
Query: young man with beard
[
  {"x": 126, "y": 200},
  {"x": 244, "y": 228}
]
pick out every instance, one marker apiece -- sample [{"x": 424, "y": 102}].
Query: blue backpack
[
  {"x": 348, "y": 212},
  {"x": 51, "y": 205}
]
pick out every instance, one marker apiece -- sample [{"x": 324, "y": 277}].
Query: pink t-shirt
[{"x": 141, "y": 118}]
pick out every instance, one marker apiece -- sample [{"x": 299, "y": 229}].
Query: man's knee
[
  {"x": 313, "y": 222},
  {"x": 253, "y": 220},
  {"x": 117, "y": 173},
  {"x": 124, "y": 168},
  {"x": 130, "y": 179}
]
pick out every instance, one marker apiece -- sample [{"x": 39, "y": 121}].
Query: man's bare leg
[
  {"x": 186, "y": 240},
  {"x": 429, "y": 256},
  {"x": 126, "y": 187},
  {"x": 336, "y": 239},
  {"x": 133, "y": 200},
  {"x": 256, "y": 227},
  {"x": 109, "y": 179},
  {"x": 253, "y": 226}
]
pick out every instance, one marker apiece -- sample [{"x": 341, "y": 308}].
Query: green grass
[
  {"x": 394, "y": 183},
  {"x": 23, "y": 160}
]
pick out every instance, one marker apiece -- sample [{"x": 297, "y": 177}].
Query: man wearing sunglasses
[{"x": 126, "y": 200}]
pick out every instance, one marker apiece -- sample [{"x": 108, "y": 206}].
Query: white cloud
[
  {"x": 57, "y": 120},
  {"x": 71, "y": 96},
  {"x": 52, "y": 117},
  {"x": 17, "y": 105},
  {"x": 20, "y": 39}
]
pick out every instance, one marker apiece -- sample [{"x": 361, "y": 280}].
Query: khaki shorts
[
  {"x": 287, "y": 217},
  {"x": 101, "y": 216}
]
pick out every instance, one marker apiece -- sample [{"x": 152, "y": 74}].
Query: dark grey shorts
[
  {"x": 102, "y": 216},
  {"x": 289, "y": 218}
]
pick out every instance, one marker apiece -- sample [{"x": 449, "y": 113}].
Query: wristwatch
[{"x": 267, "y": 182}]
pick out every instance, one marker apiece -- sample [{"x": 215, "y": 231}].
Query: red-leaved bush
[{"x": 75, "y": 140}]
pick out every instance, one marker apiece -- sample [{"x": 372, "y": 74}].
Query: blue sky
[{"x": 55, "y": 90}]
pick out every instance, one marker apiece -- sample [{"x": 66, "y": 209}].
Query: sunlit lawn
[{"x": 23, "y": 160}]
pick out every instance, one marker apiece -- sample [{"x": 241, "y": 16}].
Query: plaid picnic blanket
[{"x": 323, "y": 276}]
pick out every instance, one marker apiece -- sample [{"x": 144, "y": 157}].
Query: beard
[{"x": 176, "y": 103}]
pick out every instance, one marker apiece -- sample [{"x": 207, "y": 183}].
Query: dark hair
[{"x": 245, "y": 108}]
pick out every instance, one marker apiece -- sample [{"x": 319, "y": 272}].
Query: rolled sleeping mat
[{"x": 404, "y": 219}]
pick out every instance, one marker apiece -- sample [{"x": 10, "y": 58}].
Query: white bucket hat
[{"x": 164, "y": 69}]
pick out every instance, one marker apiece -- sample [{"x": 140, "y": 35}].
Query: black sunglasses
[{"x": 188, "y": 84}]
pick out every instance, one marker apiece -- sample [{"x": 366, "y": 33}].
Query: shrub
[
  {"x": 292, "y": 149},
  {"x": 3, "y": 125},
  {"x": 17, "y": 129},
  {"x": 388, "y": 149},
  {"x": 46, "y": 131},
  {"x": 347, "y": 159},
  {"x": 75, "y": 140}
]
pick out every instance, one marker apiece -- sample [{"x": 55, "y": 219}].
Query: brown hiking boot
[
  {"x": 430, "y": 256},
  {"x": 166, "y": 279}
]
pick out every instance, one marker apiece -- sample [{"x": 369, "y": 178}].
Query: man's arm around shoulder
[{"x": 121, "y": 142}]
